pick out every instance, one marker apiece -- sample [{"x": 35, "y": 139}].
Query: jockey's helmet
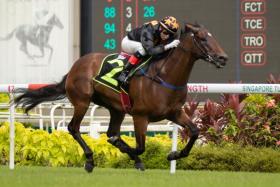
[{"x": 170, "y": 24}]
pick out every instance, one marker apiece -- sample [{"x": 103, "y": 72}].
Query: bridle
[{"x": 204, "y": 54}]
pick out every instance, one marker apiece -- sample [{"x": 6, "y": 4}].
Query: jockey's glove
[{"x": 173, "y": 44}]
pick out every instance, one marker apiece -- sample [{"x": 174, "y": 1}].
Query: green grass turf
[{"x": 68, "y": 177}]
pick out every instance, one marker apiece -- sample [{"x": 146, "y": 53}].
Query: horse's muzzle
[{"x": 220, "y": 61}]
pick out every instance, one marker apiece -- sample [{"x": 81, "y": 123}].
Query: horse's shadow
[{"x": 38, "y": 35}]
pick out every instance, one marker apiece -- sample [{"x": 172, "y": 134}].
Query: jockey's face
[{"x": 164, "y": 34}]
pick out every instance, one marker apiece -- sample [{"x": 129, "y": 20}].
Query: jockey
[
  {"x": 41, "y": 19},
  {"x": 149, "y": 39}
]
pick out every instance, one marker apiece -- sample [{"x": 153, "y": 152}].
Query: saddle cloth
[{"x": 111, "y": 67}]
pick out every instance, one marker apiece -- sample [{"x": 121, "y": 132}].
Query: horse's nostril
[{"x": 223, "y": 58}]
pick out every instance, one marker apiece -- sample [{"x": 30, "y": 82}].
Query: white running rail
[{"x": 192, "y": 88}]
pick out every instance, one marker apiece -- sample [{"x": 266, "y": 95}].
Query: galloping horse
[
  {"x": 38, "y": 35},
  {"x": 152, "y": 100}
]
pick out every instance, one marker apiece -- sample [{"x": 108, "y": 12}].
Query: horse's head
[
  {"x": 205, "y": 45},
  {"x": 54, "y": 20}
]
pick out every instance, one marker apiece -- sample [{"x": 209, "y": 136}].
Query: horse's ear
[{"x": 190, "y": 27}]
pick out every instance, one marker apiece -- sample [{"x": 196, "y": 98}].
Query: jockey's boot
[
  {"x": 132, "y": 61},
  {"x": 123, "y": 76}
]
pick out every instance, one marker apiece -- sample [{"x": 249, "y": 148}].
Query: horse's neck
[
  {"x": 177, "y": 67},
  {"x": 47, "y": 28}
]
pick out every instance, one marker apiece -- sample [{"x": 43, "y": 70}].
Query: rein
[
  {"x": 204, "y": 55},
  {"x": 157, "y": 77}
]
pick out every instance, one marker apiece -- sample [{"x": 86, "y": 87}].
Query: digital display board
[
  {"x": 116, "y": 18},
  {"x": 248, "y": 30}
]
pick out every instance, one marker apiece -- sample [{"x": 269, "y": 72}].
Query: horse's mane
[
  {"x": 161, "y": 56},
  {"x": 185, "y": 31}
]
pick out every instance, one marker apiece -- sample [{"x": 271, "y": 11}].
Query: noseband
[{"x": 205, "y": 55}]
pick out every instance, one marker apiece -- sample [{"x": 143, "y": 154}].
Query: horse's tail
[
  {"x": 8, "y": 36},
  {"x": 31, "y": 98}
]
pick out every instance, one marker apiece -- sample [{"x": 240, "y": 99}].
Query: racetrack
[{"x": 67, "y": 177}]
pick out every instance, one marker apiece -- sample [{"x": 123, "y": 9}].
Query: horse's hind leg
[
  {"x": 74, "y": 129},
  {"x": 183, "y": 120},
  {"x": 114, "y": 138}
]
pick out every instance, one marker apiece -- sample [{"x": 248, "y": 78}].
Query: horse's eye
[{"x": 204, "y": 39}]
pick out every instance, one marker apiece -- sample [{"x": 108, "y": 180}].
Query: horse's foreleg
[
  {"x": 41, "y": 47},
  {"x": 140, "y": 128},
  {"x": 114, "y": 137},
  {"x": 125, "y": 148},
  {"x": 51, "y": 52},
  {"x": 74, "y": 129},
  {"x": 183, "y": 120},
  {"x": 42, "y": 52}
]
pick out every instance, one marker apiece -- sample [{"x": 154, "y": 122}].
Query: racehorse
[
  {"x": 152, "y": 100},
  {"x": 38, "y": 35}
]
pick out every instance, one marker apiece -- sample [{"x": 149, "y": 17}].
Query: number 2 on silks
[{"x": 109, "y": 76}]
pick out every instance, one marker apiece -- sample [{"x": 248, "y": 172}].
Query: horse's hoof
[
  {"x": 89, "y": 166},
  {"x": 140, "y": 166},
  {"x": 174, "y": 155}
]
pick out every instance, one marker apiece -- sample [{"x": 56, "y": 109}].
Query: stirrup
[{"x": 123, "y": 77}]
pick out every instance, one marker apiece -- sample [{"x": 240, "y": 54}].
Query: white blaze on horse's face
[
  {"x": 208, "y": 47},
  {"x": 214, "y": 52}
]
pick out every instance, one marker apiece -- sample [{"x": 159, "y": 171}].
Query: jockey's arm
[{"x": 147, "y": 40}]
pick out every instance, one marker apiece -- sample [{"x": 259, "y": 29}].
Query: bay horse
[{"x": 152, "y": 100}]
